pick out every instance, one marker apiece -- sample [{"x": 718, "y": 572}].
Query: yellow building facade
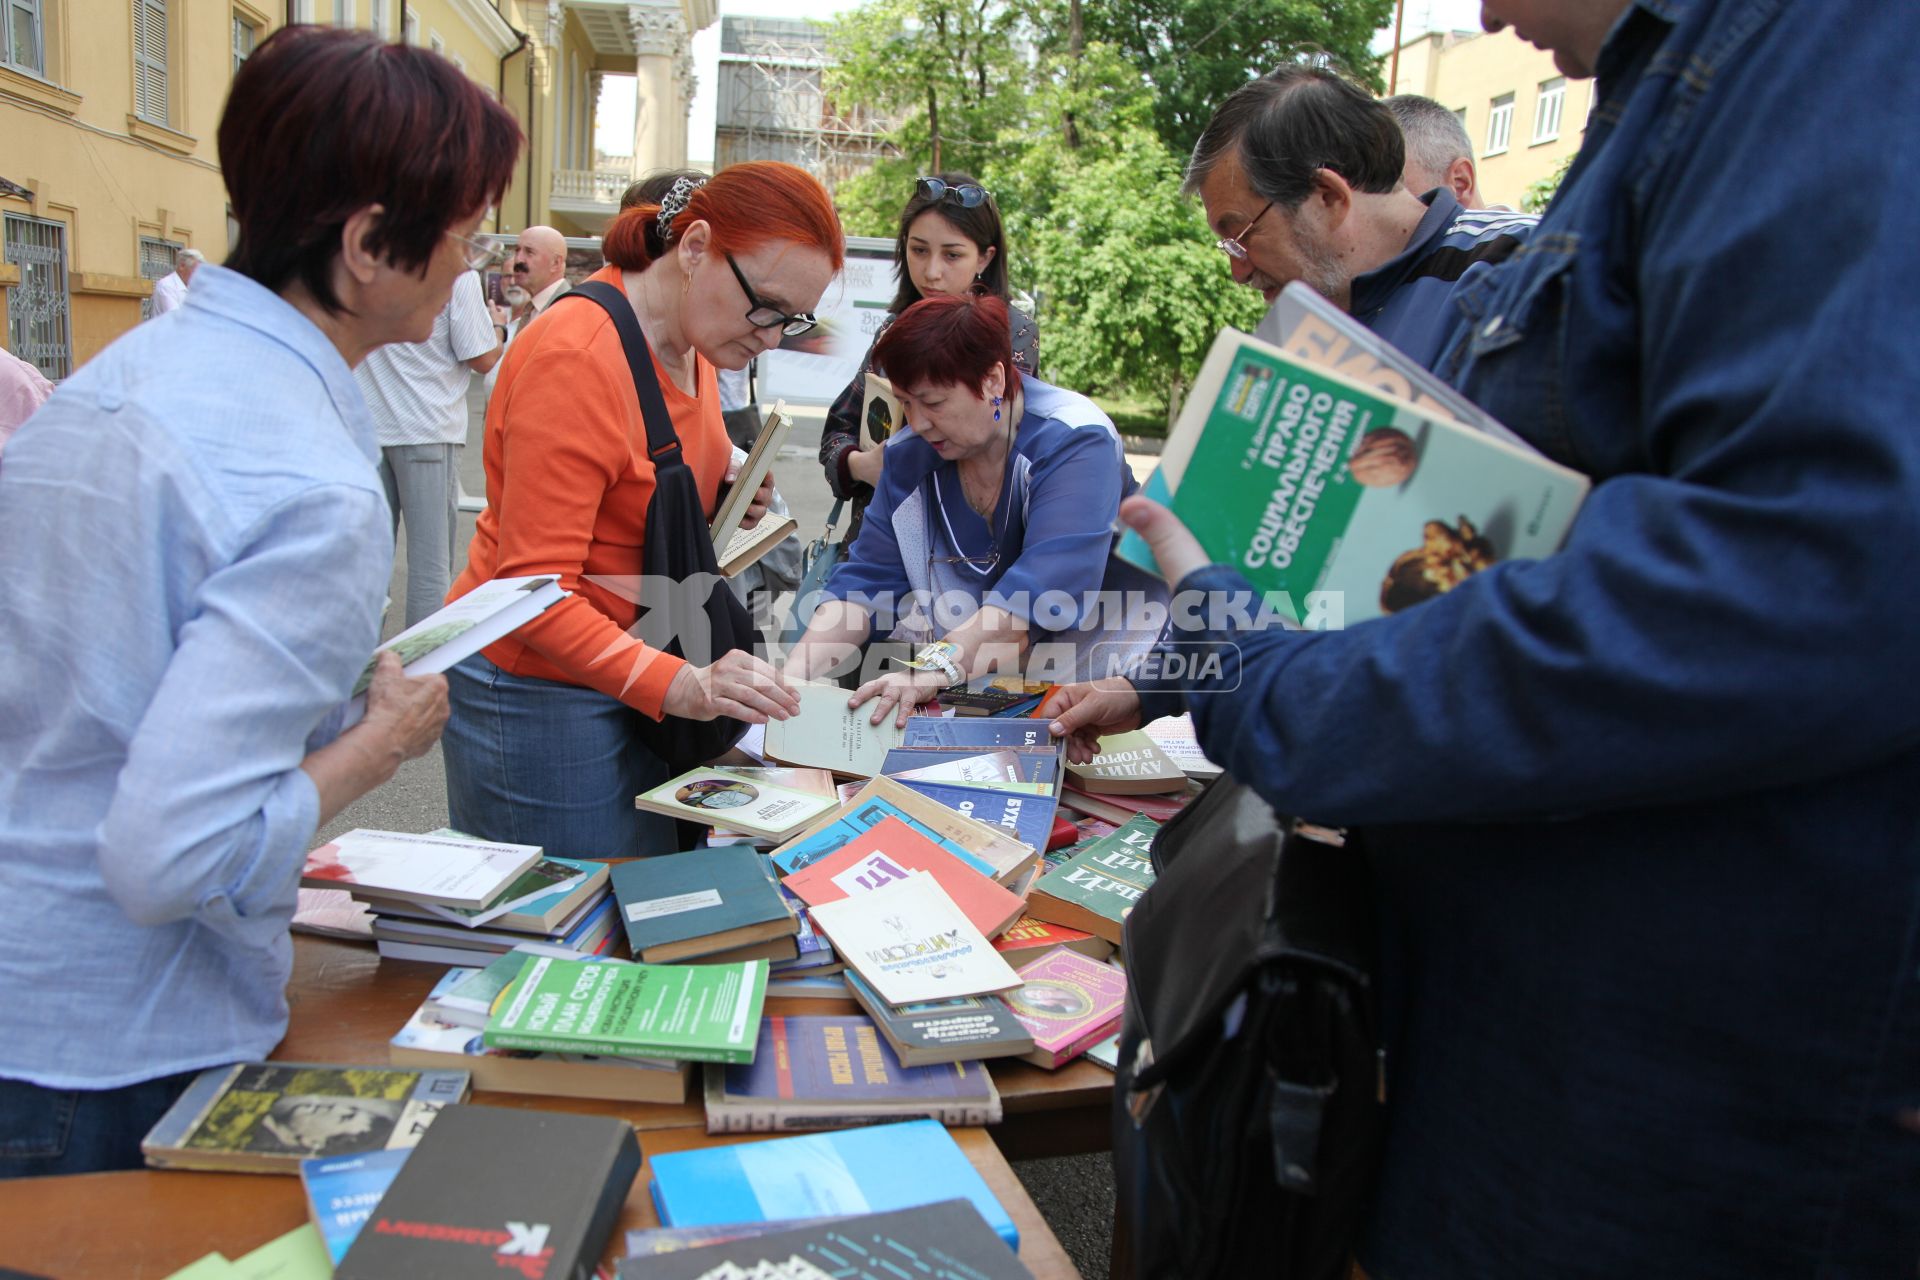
[
  {"x": 1524, "y": 117},
  {"x": 109, "y": 109}
]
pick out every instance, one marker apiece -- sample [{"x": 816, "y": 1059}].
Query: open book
[
  {"x": 453, "y": 634},
  {"x": 738, "y": 547},
  {"x": 1349, "y": 502}
]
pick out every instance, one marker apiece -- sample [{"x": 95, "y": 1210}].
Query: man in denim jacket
[{"x": 1644, "y": 816}]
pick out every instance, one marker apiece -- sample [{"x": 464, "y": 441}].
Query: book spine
[
  {"x": 1082, "y": 1043},
  {"x": 615, "y": 1049},
  {"x": 769, "y": 1120}
]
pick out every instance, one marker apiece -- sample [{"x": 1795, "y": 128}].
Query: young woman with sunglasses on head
[
  {"x": 950, "y": 242},
  {"x": 997, "y": 510},
  {"x": 547, "y": 743}
]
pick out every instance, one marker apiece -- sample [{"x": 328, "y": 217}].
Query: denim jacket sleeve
[{"x": 1734, "y": 364}]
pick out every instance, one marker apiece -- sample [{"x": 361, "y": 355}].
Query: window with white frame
[
  {"x": 150, "y": 72},
  {"x": 245, "y": 36},
  {"x": 1500, "y": 124},
  {"x": 1547, "y": 109},
  {"x": 21, "y": 42}
]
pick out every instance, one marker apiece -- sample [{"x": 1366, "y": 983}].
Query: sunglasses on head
[{"x": 967, "y": 195}]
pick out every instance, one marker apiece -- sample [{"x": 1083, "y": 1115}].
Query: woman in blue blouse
[{"x": 990, "y": 527}]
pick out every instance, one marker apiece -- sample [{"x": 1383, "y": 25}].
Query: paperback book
[
  {"x": 266, "y": 1117},
  {"x": 451, "y": 635},
  {"x": 963, "y": 1029},
  {"x": 739, "y": 799},
  {"x": 1028, "y": 818},
  {"x": 1095, "y": 888},
  {"x": 890, "y": 851},
  {"x": 1029, "y": 939},
  {"x": 1348, "y": 504},
  {"x": 845, "y": 1172},
  {"x": 1069, "y": 1003},
  {"x": 1175, "y": 735},
  {"x": 498, "y": 1191},
  {"x": 545, "y": 894},
  {"x": 1006, "y": 768},
  {"x": 945, "y": 1241},
  {"x": 826, "y": 734},
  {"x": 430, "y": 1041},
  {"x": 979, "y": 733},
  {"x": 681, "y": 906},
  {"x": 730, "y": 537},
  {"x": 985, "y": 848},
  {"x": 454, "y": 872},
  {"x": 837, "y": 1072},
  {"x": 342, "y": 1193},
  {"x": 685, "y": 1012},
  {"x": 911, "y": 943},
  {"x": 1129, "y": 764}
]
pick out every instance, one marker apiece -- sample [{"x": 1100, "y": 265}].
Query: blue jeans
[
  {"x": 55, "y": 1131},
  {"x": 540, "y": 762}
]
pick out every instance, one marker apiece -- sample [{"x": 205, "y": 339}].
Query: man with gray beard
[{"x": 1300, "y": 173}]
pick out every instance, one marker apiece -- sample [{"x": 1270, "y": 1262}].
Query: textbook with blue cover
[
  {"x": 342, "y": 1193},
  {"x": 844, "y": 1172},
  {"x": 1028, "y": 817}
]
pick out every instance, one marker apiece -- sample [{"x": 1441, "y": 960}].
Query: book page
[{"x": 733, "y": 509}]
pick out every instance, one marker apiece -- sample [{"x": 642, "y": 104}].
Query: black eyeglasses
[
  {"x": 967, "y": 195},
  {"x": 762, "y": 315}
]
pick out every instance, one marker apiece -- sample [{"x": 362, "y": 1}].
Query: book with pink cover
[
  {"x": 1069, "y": 1003},
  {"x": 890, "y": 850}
]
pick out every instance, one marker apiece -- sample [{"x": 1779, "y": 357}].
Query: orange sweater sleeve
[{"x": 564, "y": 444}]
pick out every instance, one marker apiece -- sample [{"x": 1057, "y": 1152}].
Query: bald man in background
[{"x": 537, "y": 277}]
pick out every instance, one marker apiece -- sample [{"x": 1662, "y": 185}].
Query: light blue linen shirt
[{"x": 194, "y": 545}]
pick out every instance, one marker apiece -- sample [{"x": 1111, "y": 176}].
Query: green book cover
[
  {"x": 683, "y": 1012},
  {"x": 1096, "y": 887},
  {"x": 1344, "y": 504}
]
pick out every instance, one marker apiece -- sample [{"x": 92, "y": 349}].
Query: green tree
[
  {"x": 1540, "y": 194},
  {"x": 1196, "y": 52}
]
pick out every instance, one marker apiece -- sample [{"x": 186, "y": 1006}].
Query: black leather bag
[
  {"x": 1247, "y": 1114},
  {"x": 679, "y": 548}
]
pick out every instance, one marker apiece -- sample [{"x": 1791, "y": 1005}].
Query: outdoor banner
[{"x": 816, "y": 366}]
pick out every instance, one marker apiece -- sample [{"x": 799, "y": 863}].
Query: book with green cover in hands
[
  {"x": 456, "y": 632},
  {"x": 1346, "y": 503},
  {"x": 738, "y": 799},
  {"x": 680, "y": 1012}
]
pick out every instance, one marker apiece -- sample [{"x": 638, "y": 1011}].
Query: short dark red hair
[
  {"x": 946, "y": 341},
  {"x": 322, "y": 122},
  {"x": 746, "y": 205}
]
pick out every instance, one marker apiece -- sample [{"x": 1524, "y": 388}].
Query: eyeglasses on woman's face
[
  {"x": 1234, "y": 246},
  {"x": 967, "y": 195},
  {"x": 479, "y": 253},
  {"x": 764, "y": 315}
]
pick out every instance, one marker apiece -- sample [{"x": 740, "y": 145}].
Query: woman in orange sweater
[{"x": 544, "y": 744}]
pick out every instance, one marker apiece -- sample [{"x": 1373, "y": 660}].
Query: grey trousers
[{"x": 423, "y": 487}]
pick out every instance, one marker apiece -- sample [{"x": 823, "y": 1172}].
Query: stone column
[{"x": 660, "y": 112}]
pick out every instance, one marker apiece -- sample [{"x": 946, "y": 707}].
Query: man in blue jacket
[{"x": 1643, "y": 816}]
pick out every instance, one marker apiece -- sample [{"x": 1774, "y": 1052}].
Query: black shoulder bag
[
  {"x": 1247, "y": 1118},
  {"x": 700, "y": 610}
]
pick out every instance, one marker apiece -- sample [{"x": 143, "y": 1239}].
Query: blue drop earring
[{"x": 996, "y": 408}]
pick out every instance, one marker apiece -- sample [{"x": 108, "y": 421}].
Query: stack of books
[{"x": 448, "y": 899}]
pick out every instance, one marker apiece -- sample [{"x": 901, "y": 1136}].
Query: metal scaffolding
[{"x": 772, "y": 103}]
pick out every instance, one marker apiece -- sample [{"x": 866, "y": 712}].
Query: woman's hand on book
[
  {"x": 410, "y": 710},
  {"x": 738, "y": 685},
  {"x": 1084, "y": 713},
  {"x": 898, "y": 692}
]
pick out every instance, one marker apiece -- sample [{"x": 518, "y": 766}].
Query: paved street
[{"x": 1075, "y": 1193}]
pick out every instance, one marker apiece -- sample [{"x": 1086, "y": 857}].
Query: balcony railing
[{"x": 596, "y": 186}]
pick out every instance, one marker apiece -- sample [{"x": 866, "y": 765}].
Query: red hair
[
  {"x": 946, "y": 341},
  {"x": 321, "y": 123},
  {"x": 746, "y": 205}
]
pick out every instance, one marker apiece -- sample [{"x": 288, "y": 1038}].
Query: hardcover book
[
  {"x": 827, "y": 734},
  {"x": 731, "y": 510},
  {"x": 453, "y": 634},
  {"x": 1175, "y": 735},
  {"x": 1116, "y": 809},
  {"x": 532, "y": 1194},
  {"x": 679, "y": 906},
  {"x": 1095, "y": 888},
  {"x": 342, "y": 1193},
  {"x": 589, "y": 932},
  {"x": 266, "y": 1117},
  {"x": 911, "y": 943},
  {"x": 1347, "y": 503},
  {"x": 844, "y": 1172},
  {"x": 891, "y": 851},
  {"x": 430, "y": 1041},
  {"x": 684, "y": 1012},
  {"x": 1008, "y": 768},
  {"x": 963, "y": 1029},
  {"x": 992, "y": 851},
  {"x": 1106, "y": 1053},
  {"x": 1028, "y": 818},
  {"x": 980, "y": 733},
  {"x": 945, "y": 1241},
  {"x": 1029, "y": 939},
  {"x": 738, "y": 799},
  {"x": 545, "y": 894},
  {"x": 1129, "y": 764},
  {"x": 747, "y": 546},
  {"x": 454, "y": 872},
  {"x": 1069, "y": 1003},
  {"x": 837, "y": 1072}
]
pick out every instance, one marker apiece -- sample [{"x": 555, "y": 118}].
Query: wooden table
[
  {"x": 346, "y": 1004},
  {"x": 148, "y": 1224}
]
